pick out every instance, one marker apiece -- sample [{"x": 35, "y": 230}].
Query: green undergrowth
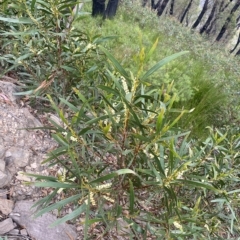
[{"x": 207, "y": 75}]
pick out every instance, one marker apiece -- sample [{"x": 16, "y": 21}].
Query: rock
[
  {"x": 20, "y": 156},
  {"x": 2, "y": 165},
  {"x": 3, "y": 193},
  {"x": 6, "y": 206},
  {"x": 14, "y": 232},
  {"x": 39, "y": 228},
  {"x": 5, "y": 178},
  {"x": 2, "y": 151},
  {"x": 9, "y": 89},
  {"x": 34, "y": 165},
  {"x": 31, "y": 120},
  {"x": 6, "y": 226},
  {"x": 24, "y": 232}
]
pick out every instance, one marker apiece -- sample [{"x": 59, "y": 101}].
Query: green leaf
[
  {"x": 125, "y": 171},
  {"x": 53, "y": 104},
  {"x": 69, "y": 69},
  {"x": 24, "y": 93},
  {"x": 108, "y": 89},
  {"x": 197, "y": 184},
  {"x": 70, "y": 216},
  {"x": 71, "y": 106},
  {"x": 42, "y": 177},
  {"x": 104, "y": 178},
  {"x": 33, "y": 5},
  {"x": 61, "y": 140},
  {"x": 58, "y": 205},
  {"x": 114, "y": 174},
  {"x": 17, "y": 20},
  {"x": 55, "y": 185},
  {"x": 116, "y": 64},
  {"x": 160, "y": 120},
  {"x": 46, "y": 200},
  {"x": 160, "y": 64},
  {"x": 131, "y": 197},
  {"x": 154, "y": 46},
  {"x": 234, "y": 191}
]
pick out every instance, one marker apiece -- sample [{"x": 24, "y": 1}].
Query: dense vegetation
[{"x": 148, "y": 132}]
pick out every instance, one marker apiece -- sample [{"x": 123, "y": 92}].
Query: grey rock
[
  {"x": 14, "y": 232},
  {"x": 5, "y": 178},
  {"x": 24, "y": 232},
  {"x": 3, "y": 193},
  {"x": 39, "y": 228},
  {"x": 2, "y": 151},
  {"x": 6, "y": 226},
  {"x": 10, "y": 164},
  {"x": 9, "y": 89},
  {"x": 20, "y": 156},
  {"x": 31, "y": 120},
  {"x": 2, "y": 165},
  {"x": 6, "y": 206}
]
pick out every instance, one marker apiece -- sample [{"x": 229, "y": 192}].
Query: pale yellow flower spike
[
  {"x": 124, "y": 83},
  {"x": 92, "y": 200}
]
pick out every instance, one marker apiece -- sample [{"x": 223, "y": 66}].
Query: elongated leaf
[
  {"x": 82, "y": 98},
  {"x": 69, "y": 69},
  {"x": 125, "y": 171},
  {"x": 44, "y": 3},
  {"x": 71, "y": 106},
  {"x": 197, "y": 184},
  {"x": 234, "y": 191},
  {"x": 58, "y": 205},
  {"x": 24, "y": 93},
  {"x": 60, "y": 139},
  {"x": 29, "y": 32},
  {"x": 149, "y": 54},
  {"x": 43, "y": 177},
  {"x": 104, "y": 178},
  {"x": 53, "y": 104},
  {"x": 46, "y": 200},
  {"x": 160, "y": 120},
  {"x": 160, "y": 64},
  {"x": 17, "y": 20},
  {"x": 156, "y": 173},
  {"x": 55, "y": 185},
  {"x": 70, "y": 216},
  {"x": 116, "y": 64},
  {"x": 131, "y": 197},
  {"x": 219, "y": 200},
  {"x": 108, "y": 89},
  {"x": 33, "y": 5}
]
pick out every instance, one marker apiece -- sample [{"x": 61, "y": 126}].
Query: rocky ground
[{"x": 23, "y": 150}]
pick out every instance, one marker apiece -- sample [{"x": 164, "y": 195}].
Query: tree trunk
[{"x": 220, "y": 19}]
